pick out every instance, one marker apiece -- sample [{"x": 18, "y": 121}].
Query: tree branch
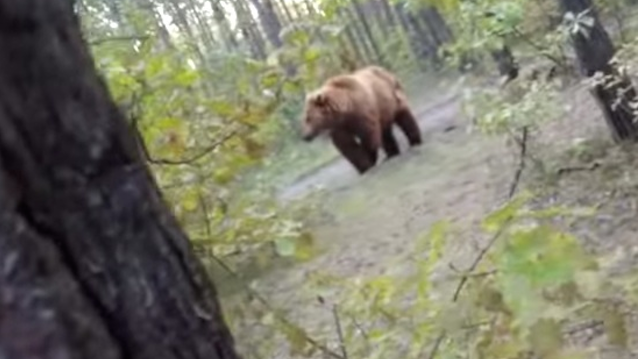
[
  {"x": 522, "y": 143},
  {"x": 193, "y": 158},
  {"x": 101, "y": 41}
]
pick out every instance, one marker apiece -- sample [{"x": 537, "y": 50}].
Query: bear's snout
[{"x": 308, "y": 136}]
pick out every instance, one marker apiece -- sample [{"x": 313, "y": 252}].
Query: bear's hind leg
[
  {"x": 406, "y": 121},
  {"x": 352, "y": 151},
  {"x": 390, "y": 145}
]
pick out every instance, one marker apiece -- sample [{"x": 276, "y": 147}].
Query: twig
[
  {"x": 437, "y": 344},
  {"x": 478, "y": 260},
  {"x": 537, "y": 47},
  {"x": 118, "y": 38},
  {"x": 565, "y": 170},
  {"x": 463, "y": 281},
  {"x": 189, "y": 160},
  {"x": 522, "y": 143},
  {"x": 342, "y": 343}
]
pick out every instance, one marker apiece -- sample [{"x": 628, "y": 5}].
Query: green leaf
[
  {"x": 297, "y": 338},
  {"x": 499, "y": 218},
  {"x": 190, "y": 200},
  {"x": 304, "y": 246},
  {"x": 222, "y": 108},
  {"x": 285, "y": 247}
]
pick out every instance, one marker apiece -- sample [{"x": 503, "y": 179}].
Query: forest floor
[{"x": 368, "y": 224}]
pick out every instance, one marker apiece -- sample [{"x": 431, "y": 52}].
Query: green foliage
[
  {"x": 200, "y": 140},
  {"x": 528, "y": 283},
  {"x": 522, "y": 104}
]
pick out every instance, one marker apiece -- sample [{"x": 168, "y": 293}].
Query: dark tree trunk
[
  {"x": 411, "y": 37},
  {"x": 439, "y": 29},
  {"x": 93, "y": 263},
  {"x": 593, "y": 52},
  {"x": 427, "y": 47}
]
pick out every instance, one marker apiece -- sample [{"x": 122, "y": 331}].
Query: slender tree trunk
[
  {"x": 409, "y": 32},
  {"x": 367, "y": 30},
  {"x": 269, "y": 21},
  {"x": 354, "y": 45},
  {"x": 439, "y": 29},
  {"x": 205, "y": 34},
  {"x": 284, "y": 7},
  {"x": 249, "y": 30},
  {"x": 310, "y": 8},
  {"x": 149, "y": 8},
  {"x": 387, "y": 11},
  {"x": 426, "y": 45},
  {"x": 593, "y": 52},
  {"x": 228, "y": 37},
  {"x": 93, "y": 263},
  {"x": 355, "y": 33}
]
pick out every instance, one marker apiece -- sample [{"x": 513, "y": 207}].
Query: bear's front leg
[
  {"x": 355, "y": 153},
  {"x": 369, "y": 134}
]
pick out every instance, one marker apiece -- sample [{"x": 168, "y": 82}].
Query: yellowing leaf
[
  {"x": 499, "y": 218},
  {"x": 189, "y": 200},
  {"x": 545, "y": 337},
  {"x": 222, "y": 108},
  {"x": 285, "y": 247},
  {"x": 492, "y": 300},
  {"x": 223, "y": 175},
  {"x": 297, "y": 338},
  {"x": 615, "y": 329},
  {"x": 304, "y": 248}
]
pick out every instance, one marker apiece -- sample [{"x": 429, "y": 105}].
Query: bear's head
[{"x": 320, "y": 112}]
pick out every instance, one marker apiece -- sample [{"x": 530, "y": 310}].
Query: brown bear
[{"x": 358, "y": 110}]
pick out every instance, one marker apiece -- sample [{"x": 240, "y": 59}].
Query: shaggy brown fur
[{"x": 359, "y": 110}]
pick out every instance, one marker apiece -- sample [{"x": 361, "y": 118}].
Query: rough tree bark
[
  {"x": 593, "y": 52},
  {"x": 92, "y": 263}
]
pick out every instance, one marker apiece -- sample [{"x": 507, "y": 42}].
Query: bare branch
[
  {"x": 98, "y": 42},
  {"x": 189, "y": 160},
  {"x": 342, "y": 343},
  {"x": 522, "y": 143},
  {"x": 564, "y": 170}
]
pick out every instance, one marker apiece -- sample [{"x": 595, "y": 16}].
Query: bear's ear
[{"x": 321, "y": 100}]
